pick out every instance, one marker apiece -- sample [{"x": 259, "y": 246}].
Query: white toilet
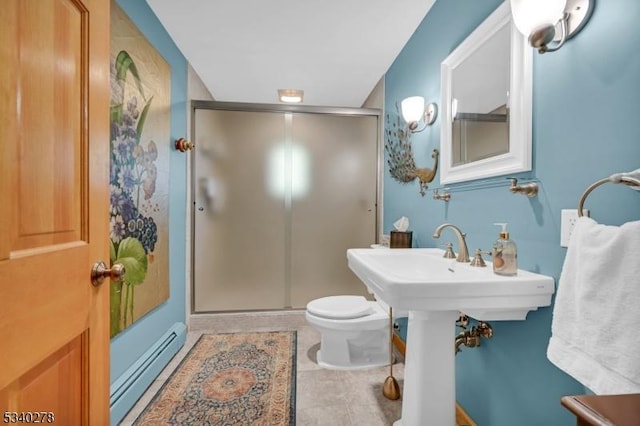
[{"x": 354, "y": 330}]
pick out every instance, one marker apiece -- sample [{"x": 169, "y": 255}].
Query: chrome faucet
[{"x": 463, "y": 251}]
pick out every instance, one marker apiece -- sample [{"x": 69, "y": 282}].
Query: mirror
[{"x": 486, "y": 103}]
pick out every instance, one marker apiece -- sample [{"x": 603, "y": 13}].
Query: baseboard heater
[{"x": 130, "y": 386}]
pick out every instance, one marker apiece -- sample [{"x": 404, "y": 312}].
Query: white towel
[
  {"x": 596, "y": 314},
  {"x": 617, "y": 177}
]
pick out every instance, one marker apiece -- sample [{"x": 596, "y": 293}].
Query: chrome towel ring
[{"x": 626, "y": 180}]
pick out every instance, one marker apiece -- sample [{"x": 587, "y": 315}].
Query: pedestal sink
[{"x": 434, "y": 291}]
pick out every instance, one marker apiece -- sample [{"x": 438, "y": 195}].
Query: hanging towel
[
  {"x": 617, "y": 177},
  {"x": 594, "y": 331}
]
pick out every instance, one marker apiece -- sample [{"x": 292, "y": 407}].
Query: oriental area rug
[{"x": 230, "y": 379}]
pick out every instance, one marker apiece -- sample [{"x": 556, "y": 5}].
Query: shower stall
[{"x": 279, "y": 194}]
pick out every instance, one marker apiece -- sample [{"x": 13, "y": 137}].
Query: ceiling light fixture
[
  {"x": 539, "y": 20},
  {"x": 290, "y": 96},
  {"x": 414, "y": 110}
]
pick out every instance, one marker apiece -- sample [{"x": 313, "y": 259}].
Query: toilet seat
[{"x": 340, "y": 307}]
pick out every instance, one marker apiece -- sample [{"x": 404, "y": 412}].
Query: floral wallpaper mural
[{"x": 139, "y": 178}]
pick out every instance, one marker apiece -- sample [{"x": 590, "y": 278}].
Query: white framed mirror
[{"x": 486, "y": 103}]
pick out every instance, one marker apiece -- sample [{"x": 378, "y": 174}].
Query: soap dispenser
[{"x": 505, "y": 256}]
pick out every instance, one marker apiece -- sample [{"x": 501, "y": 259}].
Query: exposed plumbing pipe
[{"x": 471, "y": 338}]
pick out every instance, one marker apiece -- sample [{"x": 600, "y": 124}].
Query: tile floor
[{"x": 323, "y": 397}]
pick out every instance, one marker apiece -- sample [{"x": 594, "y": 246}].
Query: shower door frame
[{"x": 277, "y": 108}]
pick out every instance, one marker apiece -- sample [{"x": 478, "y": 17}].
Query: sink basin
[
  {"x": 434, "y": 291},
  {"x": 421, "y": 279}
]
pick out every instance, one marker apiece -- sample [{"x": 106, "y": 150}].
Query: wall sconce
[
  {"x": 538, "y": 19},
  {"x": 414, "y": 110}
]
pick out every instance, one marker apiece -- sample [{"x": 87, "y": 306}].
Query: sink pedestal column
[{"x": 429, "y": 392}]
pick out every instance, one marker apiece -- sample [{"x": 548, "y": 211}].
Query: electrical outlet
[{"x": 568, "y": 221}]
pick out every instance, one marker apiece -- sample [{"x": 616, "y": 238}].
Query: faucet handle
[
  {"x": 448, "y": 254},
  {"x": 478, "y": 260}
]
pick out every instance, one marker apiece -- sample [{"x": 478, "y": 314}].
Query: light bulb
[
  {"x": 412, "y": 108},
  {"x": 532, "y": 15}
]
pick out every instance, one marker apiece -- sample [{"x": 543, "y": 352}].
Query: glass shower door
[
  {"x": 238, "y": 226},
  {"x": 279, "y": 197},
  {"x": 338, "y": 211}
]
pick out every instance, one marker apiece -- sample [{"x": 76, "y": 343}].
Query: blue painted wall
[
  {"x": 585, "y": 127},
  {"x": 129, "y": 345}
]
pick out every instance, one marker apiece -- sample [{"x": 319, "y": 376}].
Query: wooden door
[{"x": 54, "y": 165}]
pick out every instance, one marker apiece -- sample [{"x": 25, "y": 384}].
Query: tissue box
[{"x": 401, "y": 239}]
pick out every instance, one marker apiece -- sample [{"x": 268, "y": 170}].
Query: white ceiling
[{"x": 334, "y": 50}]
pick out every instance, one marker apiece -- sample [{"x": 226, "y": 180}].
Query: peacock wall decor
[{"x": 402, "y": 166}]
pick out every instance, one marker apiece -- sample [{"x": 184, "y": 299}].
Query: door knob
[{"x": 100, "y": 271}]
